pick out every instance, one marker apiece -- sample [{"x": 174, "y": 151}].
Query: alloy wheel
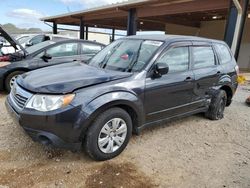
[{"x": 112, "y": 135}]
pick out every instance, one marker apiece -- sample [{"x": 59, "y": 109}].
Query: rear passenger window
[
  {"x": 177, "y": 59},
  {"x": 203, "y": 57},
  {"x": 223, "y": 53}
]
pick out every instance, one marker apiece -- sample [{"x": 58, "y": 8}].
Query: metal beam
[
  {"x": 54, "y": 28},
  {"x": 231, "y": 24},
  {"x": 81, "y": 29},
  {"x": 132, "y": 22}
]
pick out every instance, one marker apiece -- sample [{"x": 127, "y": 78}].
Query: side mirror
[
  {"x": 160, "y": 69},
  {"x": 28, "y": 44},
  {"x": 46, "y": 57}
]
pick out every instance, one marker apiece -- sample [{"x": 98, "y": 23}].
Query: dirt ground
[{"x": 192, "y": 152}]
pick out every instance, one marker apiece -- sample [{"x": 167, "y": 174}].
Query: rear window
[
  {"x": 223, "y": 53},
  {"x": 203, "y": 56}
]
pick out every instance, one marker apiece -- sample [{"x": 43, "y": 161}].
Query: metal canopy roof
[{"x": 152, "y": 14}]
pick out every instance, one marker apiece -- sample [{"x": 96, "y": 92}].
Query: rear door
[{"x": 205, "y": 68}]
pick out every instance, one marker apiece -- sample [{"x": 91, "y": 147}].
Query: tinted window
[
  {"x": 67, "y": 49},
  {"x": 90, "y": 48},
  {"x": 203, "y": 57},
  {"x": 224, "y": 54},
  {"x": 177, "y": 59}
]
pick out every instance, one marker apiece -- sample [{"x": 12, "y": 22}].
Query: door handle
[{"x": 188, "y": 79}]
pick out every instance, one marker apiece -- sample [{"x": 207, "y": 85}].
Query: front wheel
[
  {"x": 10, "y": 79},
  {"x": 109, "y": 134},
  {"x": 217, "y": 106}
]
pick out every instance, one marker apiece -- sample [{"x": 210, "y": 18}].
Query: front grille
[{"x": 19, "y": 96}]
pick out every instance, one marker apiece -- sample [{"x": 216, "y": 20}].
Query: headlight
[{"x": 46, "y": 103}]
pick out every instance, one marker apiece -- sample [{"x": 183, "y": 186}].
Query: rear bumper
[{"x": 54, "y": 130}]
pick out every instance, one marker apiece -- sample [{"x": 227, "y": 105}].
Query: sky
[{"x": 26, "y": 13}]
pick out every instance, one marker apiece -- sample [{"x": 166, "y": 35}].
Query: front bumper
[{"x": 59, "y": 129}]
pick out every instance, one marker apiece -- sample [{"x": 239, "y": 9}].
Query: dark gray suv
[{"x": 133, "y": 83}]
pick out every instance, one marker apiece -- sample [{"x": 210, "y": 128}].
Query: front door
[
  {"x": 62, "y": 53},
  {"x": 172, "y": 93}
]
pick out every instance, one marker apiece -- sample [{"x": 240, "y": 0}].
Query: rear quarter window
[{"x": 223, "y": 53}]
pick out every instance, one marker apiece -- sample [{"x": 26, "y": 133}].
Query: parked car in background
[
  {"x": 133, "y": 83},
  {"x": 32, "y": 39},
  {"x": 41, "y": 55}
]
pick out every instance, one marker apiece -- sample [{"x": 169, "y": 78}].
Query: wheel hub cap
[{"x": 112, "y": 135}]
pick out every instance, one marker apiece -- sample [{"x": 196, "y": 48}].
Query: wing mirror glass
[{"x": 160, "y": 69}]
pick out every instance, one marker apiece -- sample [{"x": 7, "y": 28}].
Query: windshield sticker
[{"x": 154, "y": 43}]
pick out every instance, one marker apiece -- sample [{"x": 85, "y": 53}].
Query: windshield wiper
[{"x": 133, "y": 62}]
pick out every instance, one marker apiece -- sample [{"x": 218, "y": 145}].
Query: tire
[
  {"x": 95, "y": 135},
  {"x": 217, "y": 105},
  {"x": 9, "y": 79}
]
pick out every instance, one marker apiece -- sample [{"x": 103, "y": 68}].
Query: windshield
[
  {"x": 38, "y": 46},
  {"x": 126, "y": 55}
]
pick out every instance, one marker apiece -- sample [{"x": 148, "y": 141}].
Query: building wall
[{"x": 215, "y": 30}]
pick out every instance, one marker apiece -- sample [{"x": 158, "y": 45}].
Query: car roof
[{"x": 172, "y": 38}]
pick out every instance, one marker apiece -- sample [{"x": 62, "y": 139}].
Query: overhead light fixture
[{"x": 217, "y": 17}]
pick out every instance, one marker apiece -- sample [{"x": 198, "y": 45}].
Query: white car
[{"x": 29, "y": 40}]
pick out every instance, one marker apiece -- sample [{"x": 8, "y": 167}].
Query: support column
[
  {"x": 81, "y": 29},
  {"x": 235, "y": 25},
  {"x": 54, "y": 28},
  {"x": 132, "y": 22},
  {"x": 242, "y": 26},
  {"x": 113, "y": 35},
  {"x": 87, "y": 33}
]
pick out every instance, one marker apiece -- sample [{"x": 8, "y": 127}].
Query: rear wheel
[
  {"x": 217, "y": 106},
  {"x": 109, "y": 134},
  {"x": 10, "y": 79}
]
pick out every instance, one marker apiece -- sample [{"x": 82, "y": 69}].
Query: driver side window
[
  {"x": 67, "y": 49},
  {"x": 176, "y": 58}
]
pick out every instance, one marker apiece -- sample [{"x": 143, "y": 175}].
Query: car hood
[
  {"x": 11, "y": 40},
  {"x": 66, "y": 78}
]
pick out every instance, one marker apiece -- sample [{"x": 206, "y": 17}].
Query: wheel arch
[
  {"x": 128, "y": 102},
  {"x": 229, "y": 93},
  {"x": 11, "y": 71}
]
